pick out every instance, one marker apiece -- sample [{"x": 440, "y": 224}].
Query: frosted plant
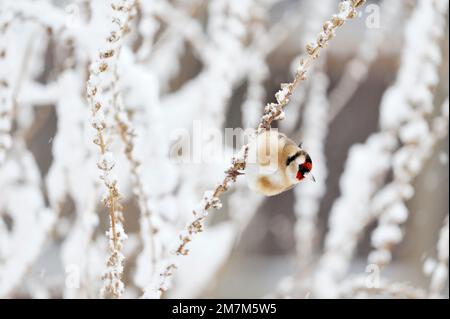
[
  {"x": 102, "y": 94},
  {"x": 314, "y": 131},
  {"x": 350, "y": 213},
  {"x": 319, "y": 11},
  {"x": 32, "y": 220},
  {"x": 388, "y": 203},
  {"x": 6, "y": 90},
  {"x": 417, "y": 137},
  {"x": 272, "y": 111},
  {"x": 67, "y": 178},
  {"x": 438, "y": 272},
  {"x": 357, "y": 288},
  {"x": 357, "y": 69},
  {"x": 156, "y": 72},
  {"x": 258, "y": 71}
]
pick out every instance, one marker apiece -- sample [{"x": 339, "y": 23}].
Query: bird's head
[{"x": 299, "y": 166}]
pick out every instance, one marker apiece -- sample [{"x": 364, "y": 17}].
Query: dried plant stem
[
  {"x": 273, "y": 111},
  {"x": 101, "y": 94},
  {"x": 128, "y": 135}
]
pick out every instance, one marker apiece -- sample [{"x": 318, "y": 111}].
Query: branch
[
  {"x": 101, "y": 92},
  {"x": 273, "y": 111}
]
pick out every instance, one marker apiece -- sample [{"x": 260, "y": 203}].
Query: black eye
[
  {"x": 303, "y": 169},
  {"x": 292, "y": 158},
  {"x": 308, "y": 159}
]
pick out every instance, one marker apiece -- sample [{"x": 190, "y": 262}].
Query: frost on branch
[{"x": 101, "y": 91}]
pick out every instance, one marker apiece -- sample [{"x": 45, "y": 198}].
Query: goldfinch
[{"x": 275, "y": 163}]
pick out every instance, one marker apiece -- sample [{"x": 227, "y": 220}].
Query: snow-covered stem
[
  {"x": 199, "y": 214},
  {"x": 418, "y": 138},
  {"x": 388, "y": 204},
  {"x": 357, "y": 69},
  {"x": 313, "y": 132},
  {"x": 307, "y": 199},
  {"x": 127, "y": 134},
  {"x": 11, "y": 80},
  {"x": 349, "y": 214},
  {"x": 251, "y": 107},
  {"x": 272, "y": 112},
  {"x": 181, "y": 27},
  {"x": 278, "y": 33},
  {"x": 182, "y": 23},
  {"x": 357, "y": 288},
  {"x": 317, "y": 12},
  {"x": 258, "y": 70},
  {"x": 40, "y": 12},
  {"x": 408, "y": 96},
  {"x": 21, "y": 192},
  {"x": 439, "y": 275},
  {"x": 101, "y": 96},
  {"x": 6, "y": 99}
]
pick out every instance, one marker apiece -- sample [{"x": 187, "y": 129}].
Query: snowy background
[{"x": 372, "y": 113}]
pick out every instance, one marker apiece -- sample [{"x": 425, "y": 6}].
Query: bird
[{"x": 275, "y": 163}]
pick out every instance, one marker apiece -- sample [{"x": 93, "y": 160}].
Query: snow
[
  {"x": 106, "y": 161},
  {"x": 181, "y": 63},
  {"x": 282, "y": 94}
]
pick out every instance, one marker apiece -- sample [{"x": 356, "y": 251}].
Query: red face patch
[
  {"x": 303, "y": 169},
  {"x": 307, "y": 166}
]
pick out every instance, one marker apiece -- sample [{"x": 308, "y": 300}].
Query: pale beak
[{"x": 310, "y": 176}]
